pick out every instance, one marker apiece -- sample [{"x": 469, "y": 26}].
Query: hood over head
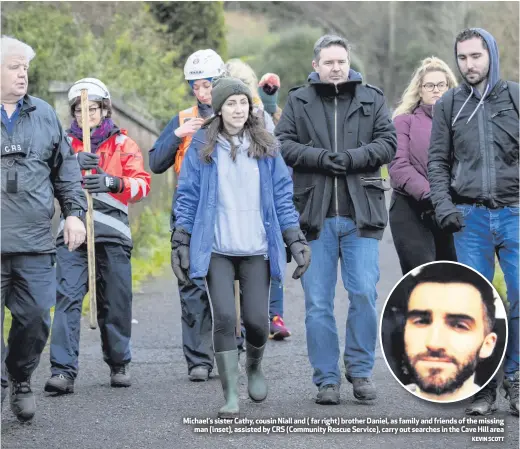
[
  {"x": 493, "y": 73},
  {"x": 494, "y": 62}
]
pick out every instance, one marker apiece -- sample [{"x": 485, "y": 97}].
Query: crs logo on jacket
[
  {"x": 119, "y": 156},
  {"x": 12, "y": 149}
]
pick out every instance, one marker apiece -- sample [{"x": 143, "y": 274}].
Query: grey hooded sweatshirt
[{"x": 239, "y": 228}]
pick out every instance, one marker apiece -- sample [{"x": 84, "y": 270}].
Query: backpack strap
[
  {"x": 448, "y": 100},
  {"x": 448, "y": 106}
]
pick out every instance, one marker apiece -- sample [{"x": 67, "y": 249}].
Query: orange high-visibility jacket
[
  {"x": 119, "y": 156},
  {"x": 184, "y": 116}
]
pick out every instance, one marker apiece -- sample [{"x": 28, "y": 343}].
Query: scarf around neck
[{"x": 97, "y": 135}]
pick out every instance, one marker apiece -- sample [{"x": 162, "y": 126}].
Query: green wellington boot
[
  {"x": 256, "y": 384},
  {"x": 227, "y": 363}
]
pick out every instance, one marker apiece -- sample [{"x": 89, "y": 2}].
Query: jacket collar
[
  {"x": 308, "y": 94},
  {"x": 200, "y": 136},
  {"x": 199, "y": 141},
  {"x": 27, "y": 105},
  {"x": 333, "y": 90},
  {"x": 313, "y": 107},
  {"x": 424, "y": 109}
]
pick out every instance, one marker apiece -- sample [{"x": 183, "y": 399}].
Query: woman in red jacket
[
  {"x": 417, "y": 238},
  {"x": 118, "y": 178}
]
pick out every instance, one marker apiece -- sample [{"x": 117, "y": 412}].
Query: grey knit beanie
[{"x": 223, "y": 88}]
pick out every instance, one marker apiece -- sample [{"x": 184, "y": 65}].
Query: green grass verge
[
  {"x": 500, "y": 284},
  {"x": 150, "y": 257}
]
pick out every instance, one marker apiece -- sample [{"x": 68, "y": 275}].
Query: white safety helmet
[
  {"x": 203, "y": 64},
  {"x": 97, "y": 91}
]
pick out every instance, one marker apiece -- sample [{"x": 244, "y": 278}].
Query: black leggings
[
  {"x": 417, "y": 242},
  {"x": 253, "y": 274}
]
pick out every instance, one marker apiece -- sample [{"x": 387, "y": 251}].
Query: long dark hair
[{"x": 263, "y": 144}]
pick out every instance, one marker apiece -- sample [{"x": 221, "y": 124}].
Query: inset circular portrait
[{"x": 443, "y": 331}]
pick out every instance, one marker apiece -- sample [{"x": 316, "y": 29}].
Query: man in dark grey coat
[
  {"x": 37, "y": 165},
  {"x": 336, "y": 134}
]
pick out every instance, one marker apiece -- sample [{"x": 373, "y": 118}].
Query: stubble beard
[{"x": 430, "y": 385}]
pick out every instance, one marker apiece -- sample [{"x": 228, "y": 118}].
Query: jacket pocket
[
  {"x": 303, "y": 202},
  {"x": 377, "y": 215},
  {"x": 501, "y": 111}
]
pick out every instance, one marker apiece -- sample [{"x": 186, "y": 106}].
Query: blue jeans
[
  {"x": 276, "y": 299},
  {"x": 488, "y": 231},
  {"x": 360, "y": 272}
]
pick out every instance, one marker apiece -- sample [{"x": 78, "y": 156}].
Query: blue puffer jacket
[{"x": 196, "y": 203}]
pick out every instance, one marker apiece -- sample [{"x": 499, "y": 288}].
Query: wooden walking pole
[
  {"x": 91, "y": 249},
  {"x": 237, "y": 308}
]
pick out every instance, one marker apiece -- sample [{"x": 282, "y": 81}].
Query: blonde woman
[{"x": 417, "y": 238}]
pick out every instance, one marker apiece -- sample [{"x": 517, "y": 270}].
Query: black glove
[
  {"x": 180, "y": 259},
  {"x": 101, "y": 183},
  {"x": 428, "y": 218},
  {"x": 452, "y": 222},
  {"x": 87, "y": 161},
  {"x": 427, "y": 211},
  {"x": 297, "y": 244},
  {"x": 425, "y": 204},
  {"x": 327, "y": 163},
  {"x": 342, "y": 158}
]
